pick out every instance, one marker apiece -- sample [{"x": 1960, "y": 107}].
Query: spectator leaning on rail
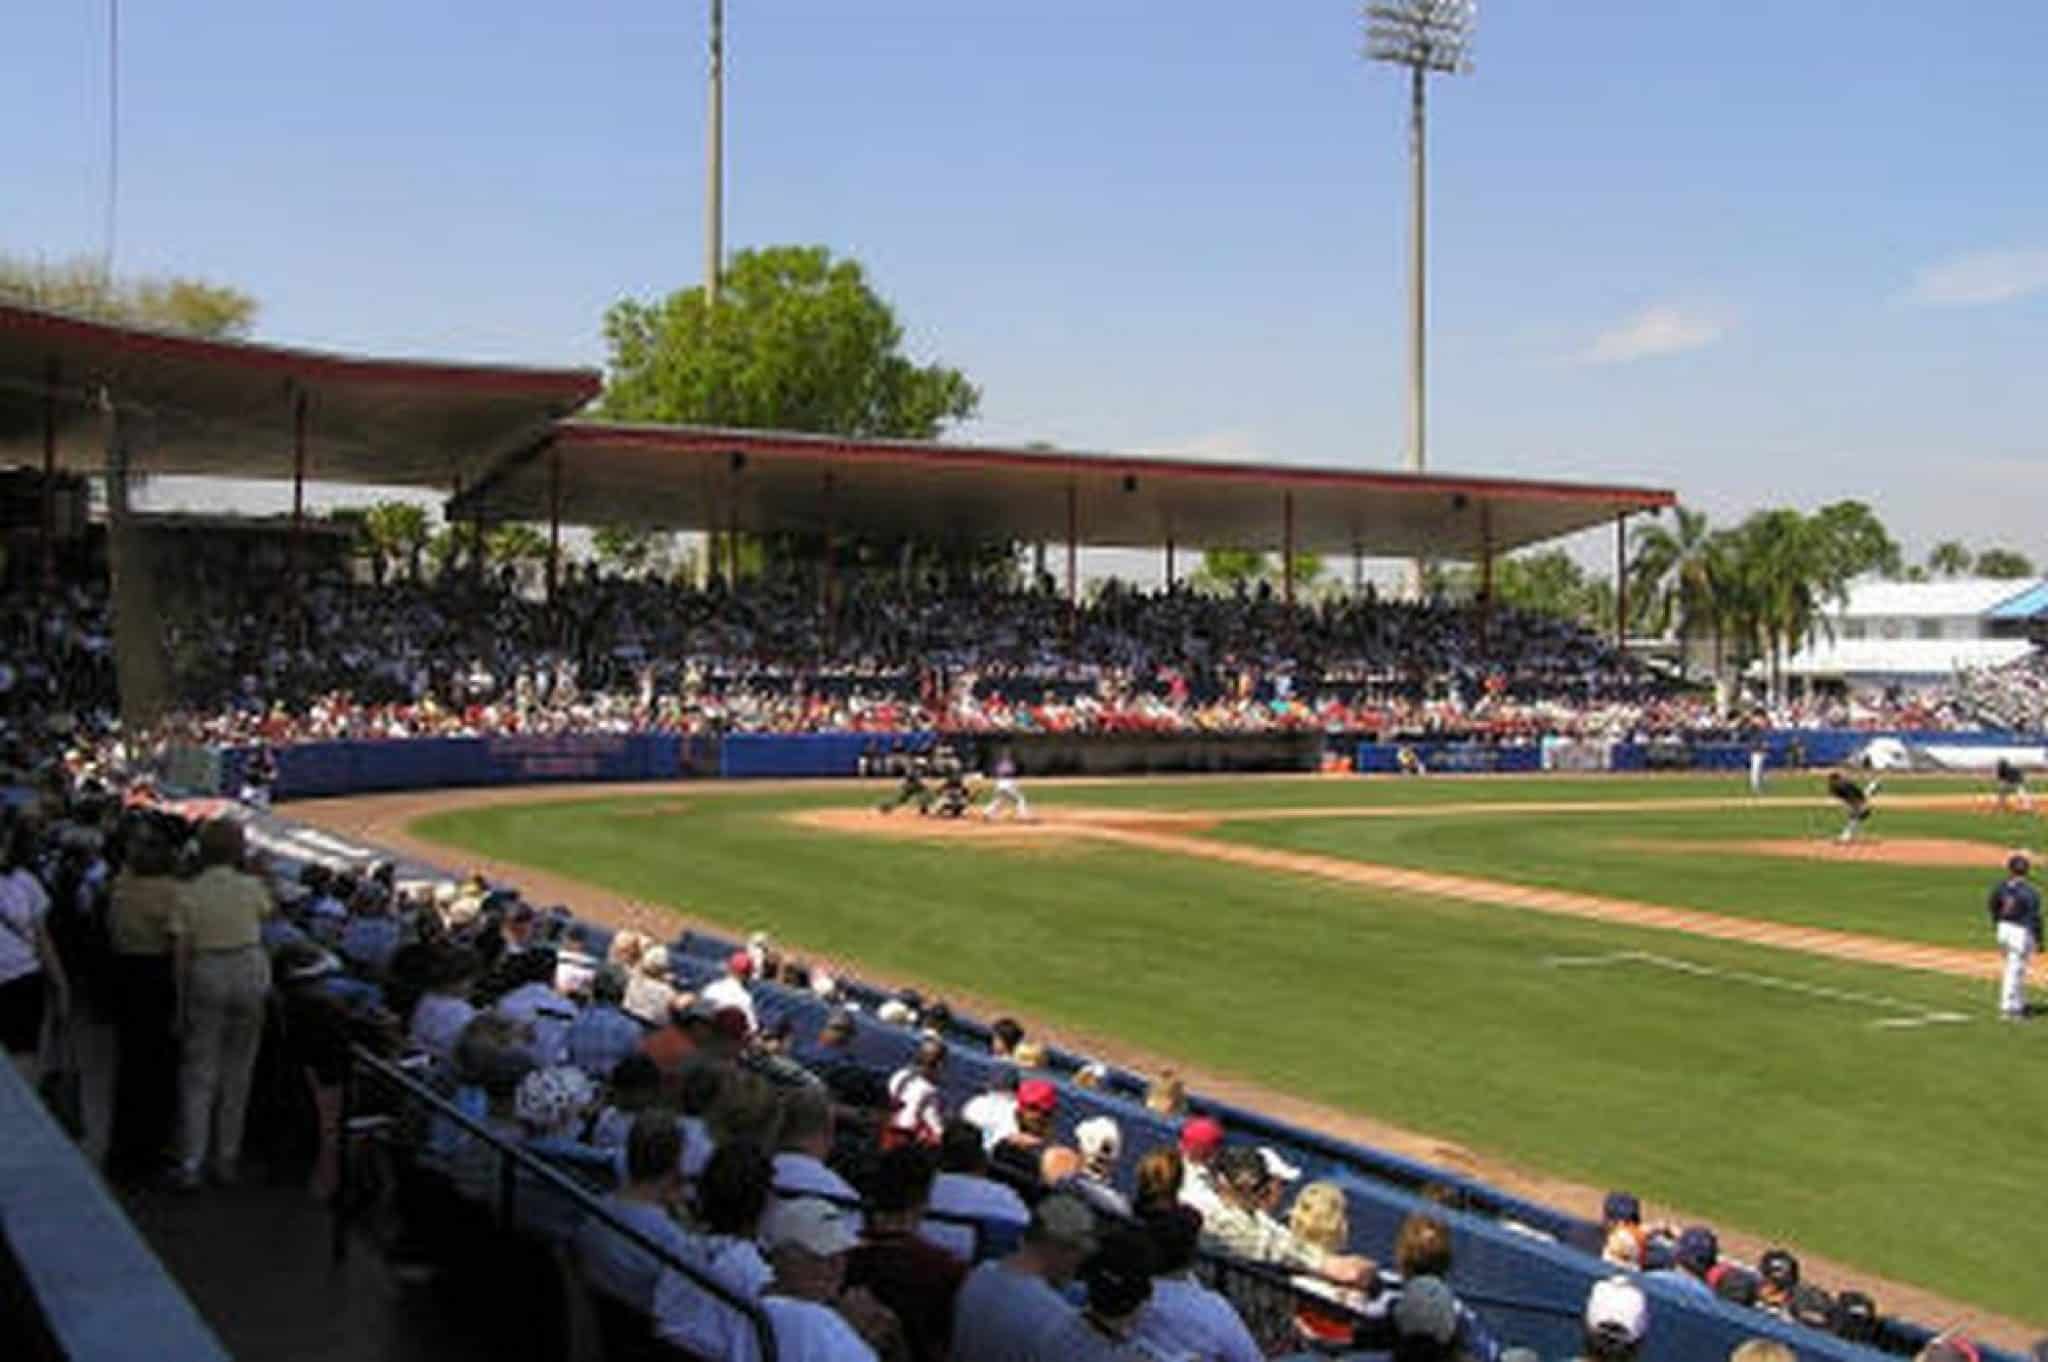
[
  {"x": 1697, "y": 1252},
  {"x": 223, "y": 979},
  {"x": 1240, "y": 1227}
]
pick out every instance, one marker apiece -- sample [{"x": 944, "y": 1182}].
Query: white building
[{"x": 1914, "y": 634}]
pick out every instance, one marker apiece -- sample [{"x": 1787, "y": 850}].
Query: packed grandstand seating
[
  {"x": 462, "y": 656},
  {"x": 2012, "y": 697}
]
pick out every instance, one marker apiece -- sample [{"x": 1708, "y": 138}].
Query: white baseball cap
[
  {"x": 1099, "y": 1136},
  {"x": 1617, "y": 1306},
  {"x": 811, "y": 1223},
  {"x": 1277, "y": 1168}
]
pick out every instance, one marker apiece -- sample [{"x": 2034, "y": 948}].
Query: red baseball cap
[
  {"x": 1202, "y": 1136},
  {"x": 740, "y": 963},
  {"x": 1035, "y": 1094}
]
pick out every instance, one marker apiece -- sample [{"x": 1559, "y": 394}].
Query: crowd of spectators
[
  {"x": 2014, "y": 696},
  {"x": 463, "y": 655}
]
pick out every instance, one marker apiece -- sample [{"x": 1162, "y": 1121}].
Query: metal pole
[
  {"x": 831, "y": 567},
  {"x": 1073, "y": 553},
  {"x": 554, "y": 521},
  {"x": 48, "y": 513},
  {"x": 298, "y": 485},
  {"x": 1621, "y": 581},
  {"x": 1485, "y": 573},
  {"x": 1287, "y": 549},
  {"x": 1169, "y": 562},
  {"x": 714, "y": 188},
  {"x": 1417, "y": 415},
  {"x": 732, "y": 548}
]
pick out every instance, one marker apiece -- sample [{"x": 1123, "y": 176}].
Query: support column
[
  {"x": 732, "y": 548},
  {"x": 1287, "y": 548},
  {"x": 830, "y": 578},
  {"x": 46, "y": 534},
  {"x": 138, "y": 642},
  {"x": 1621, "y": 581},
  {"x": 1169, "y": 562},
  {"x": 554, "y": 522},
  {"x": 298, "y": 539},
  {"x": 1485, "y": 573},
  {"x": 1073, "y": 552}
]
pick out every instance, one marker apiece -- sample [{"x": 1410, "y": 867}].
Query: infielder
[
  {"x": 2016, "y": 919},
  {"x": 1757, "y": 753},
  {"x": 1007, "y": 794},
  {"x": 1855, "y": 798},
  {"x": 2012, "y": 787}
]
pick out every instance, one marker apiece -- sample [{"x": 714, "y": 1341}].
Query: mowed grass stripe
[
  {"x": 1642, "y": 855},
  {"x": 1784, "y": 1113}
]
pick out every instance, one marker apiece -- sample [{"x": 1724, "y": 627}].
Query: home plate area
[{"x": 1898, "y": 1015}]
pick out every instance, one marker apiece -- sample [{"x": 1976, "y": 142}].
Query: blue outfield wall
[
  {"x": 787, "y": 755},
  {"x": 1816, "y": 747}
]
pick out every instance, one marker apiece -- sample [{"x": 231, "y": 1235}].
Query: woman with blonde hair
[
  {"x": 1321, "y": 1217},
  {"x": 1167, "y": 1095},
  {"x": 1157, "y": 1180}
]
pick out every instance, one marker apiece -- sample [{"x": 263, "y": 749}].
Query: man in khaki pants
[{"x": 223, "y": 979}]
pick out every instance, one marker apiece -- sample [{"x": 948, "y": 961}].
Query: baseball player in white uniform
[
  {"x": 1007, "y": 794},
  {"x": 1757, "y": 754}
]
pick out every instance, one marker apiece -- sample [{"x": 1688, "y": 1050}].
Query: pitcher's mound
[{"x": 1940, "y": 851}]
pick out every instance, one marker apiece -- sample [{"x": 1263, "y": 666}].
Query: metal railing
[{"x": 512, "y": 1162}]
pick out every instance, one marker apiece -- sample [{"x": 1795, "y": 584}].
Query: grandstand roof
[
  {"x": 1962, "y": 596},
  {"x": 703, "y": 478},
  {"x": 226, "y": 408}
]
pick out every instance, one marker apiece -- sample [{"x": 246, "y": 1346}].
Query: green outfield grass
[
  {"x": 1642, "y": 856},
  {"x": 1762, "y": 1094}
]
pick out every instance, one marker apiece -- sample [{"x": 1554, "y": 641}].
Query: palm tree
[
  {"x": 1673, "y": 576},
  {"x": 395, "y": 529},
  {"x": 1949, "y": 559}
]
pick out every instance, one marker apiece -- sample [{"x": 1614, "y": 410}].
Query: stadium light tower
[
  {"x": 1425, "y": 36},
  {"x": 714, "y": 167}
]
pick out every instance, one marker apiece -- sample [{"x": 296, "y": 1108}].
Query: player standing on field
[
  {"x": 1854, "y": 798},
  {"x": 2016, "y": 919},
  {"x": 1007, "y": 792},
  {"x": 1757, "y": 753},
  {"x": 2012, "y": 786}
]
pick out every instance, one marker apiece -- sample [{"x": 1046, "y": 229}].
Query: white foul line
[{"x": 1906, "y": 1015}]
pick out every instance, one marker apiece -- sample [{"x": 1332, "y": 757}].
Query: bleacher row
[{"x": 1523, "y": 1267}]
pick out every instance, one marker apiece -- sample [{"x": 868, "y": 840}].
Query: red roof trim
[
  {"x": 711, "y": 440},
  {"x": 571, "y": 387}
]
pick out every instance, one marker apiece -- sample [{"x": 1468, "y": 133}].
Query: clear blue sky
[{"x": 1761, "y": 252}]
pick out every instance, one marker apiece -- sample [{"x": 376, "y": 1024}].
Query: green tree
[
  {"x": 1948, "y": 559},
  {"x": 1228, "y": 569},
  {"x": 515, "y": 544},
  {"x": 1672, "y": 580},
  {"x": 170, "y": 303},
  {"x": 1853, "y": 541},
  {"x": 396, "y": 531},
  {"x": 1549, "y": 582},
  {"x": 2006, "y": 564},
  {"x": 798, "y": 341}
]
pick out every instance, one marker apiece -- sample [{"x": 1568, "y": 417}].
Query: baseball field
[{"x": 1564, "y": 983}]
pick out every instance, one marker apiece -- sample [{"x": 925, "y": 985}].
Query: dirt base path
[
  {"x": 383, "y": 821},
  {"x": 1169, "y": 834}
]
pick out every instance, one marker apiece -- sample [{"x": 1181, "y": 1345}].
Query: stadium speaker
[
  {"x": 739, "y": 461},
  {"x": 1130, "y": 482}
]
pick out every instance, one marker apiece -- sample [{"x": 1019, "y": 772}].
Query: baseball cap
[
  {"x": 1063, "y": 1218},
  {"x": 1099, "y": 1136},
  {"x": 1734, "y": 1284},
  {"x": 810, "y": 1223},
  {"x": 1622, "y": 1206},
  {"x": 1426, "y": 1309},
  {"x": 1779, "y": 1268},
  {"x": 1856, "y": 1320},
  {"x": 1616, "y": 1309},
  {"x": 1202, "y": 1136},
  {"x": 2018, "y": 864},
  {"x": 1813, "y": 1307},
  {"x": 1241, "y": 1168},
  {"x": 1035, "y": 1094},
  {"x": 740, "y": 963},
  {"x": 1277, "y": 1168},
  {"x": 1697, "y": 1248}
]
